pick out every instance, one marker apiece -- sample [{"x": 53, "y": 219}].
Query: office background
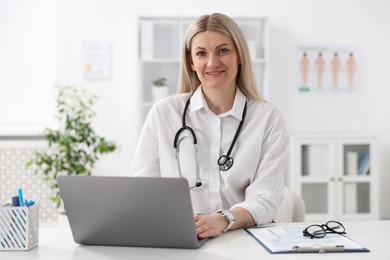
[{"x": 41, "y": 42}]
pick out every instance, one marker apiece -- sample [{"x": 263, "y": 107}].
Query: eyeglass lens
[
  {"x": 319, "y": 231},
  {"x": 335, "y": 227}
]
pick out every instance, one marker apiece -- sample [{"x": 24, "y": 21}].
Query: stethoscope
[{"x": 225, "y": 162}]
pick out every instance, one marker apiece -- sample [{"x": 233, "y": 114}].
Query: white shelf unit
[
  {"x": 160, "y": 46},
  {"x": 336, "y": 176}
]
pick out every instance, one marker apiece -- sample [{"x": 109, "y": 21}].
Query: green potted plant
[
  {"x": 160, "y": 89},
  {"x": 74, "y": 147}
]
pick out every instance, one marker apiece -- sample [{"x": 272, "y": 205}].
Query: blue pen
[
  {"x": 21, "y": 200},
  {"x": 29, "y": 203},
  {"x": 15, "y": 201}
]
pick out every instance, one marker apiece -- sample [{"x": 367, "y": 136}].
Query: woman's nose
[{"x": 213, "y": 61}]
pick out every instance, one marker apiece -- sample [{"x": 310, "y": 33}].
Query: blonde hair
[{"x": 188, "y": 80}]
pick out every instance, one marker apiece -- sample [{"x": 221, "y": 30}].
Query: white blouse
[{"x": 256, "y": 179}]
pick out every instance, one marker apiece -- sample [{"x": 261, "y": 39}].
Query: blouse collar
[{"x": 198, "y": 102}]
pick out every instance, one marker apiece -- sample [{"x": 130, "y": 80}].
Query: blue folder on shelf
[
  {"x": 289, "y": 239},
  {"x": 364, "y": 165}
]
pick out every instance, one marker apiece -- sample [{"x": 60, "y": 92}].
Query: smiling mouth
[{"x": 212, "y": 73}]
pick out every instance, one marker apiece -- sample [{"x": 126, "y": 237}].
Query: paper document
[{"x": 290, "y": 239}]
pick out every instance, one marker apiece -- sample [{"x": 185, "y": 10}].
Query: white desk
[{"x": 57, "y": 243}]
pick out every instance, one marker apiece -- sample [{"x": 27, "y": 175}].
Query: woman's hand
[{"x": 210, "y": 225}]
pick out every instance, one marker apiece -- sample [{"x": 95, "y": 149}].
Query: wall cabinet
[
  {"x": 160, "y": 47},
  {"x": 336, "y": 175}
]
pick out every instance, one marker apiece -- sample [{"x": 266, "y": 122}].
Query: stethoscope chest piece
[{"x": 225, "y": 162}]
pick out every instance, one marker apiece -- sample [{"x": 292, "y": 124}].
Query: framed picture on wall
[
  {"x": 327, "y": 69},
  {"x": 97, "y": 60}
]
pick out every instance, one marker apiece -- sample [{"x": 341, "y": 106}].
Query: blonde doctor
[{"x": 218, "y": 133}]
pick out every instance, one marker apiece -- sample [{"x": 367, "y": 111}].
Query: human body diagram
[{"x": 321, "y": 70}]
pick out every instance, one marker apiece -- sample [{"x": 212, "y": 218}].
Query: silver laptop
[{"x": 129, "y": 211}]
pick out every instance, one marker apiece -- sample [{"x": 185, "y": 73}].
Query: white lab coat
[{"x": 256, "y": 179}]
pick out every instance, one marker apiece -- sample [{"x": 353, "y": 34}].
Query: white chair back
[{"x": 292, "y": 208}]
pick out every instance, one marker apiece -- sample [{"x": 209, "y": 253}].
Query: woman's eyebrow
[
  {"x": 222, "y": 45},
  {"x": 219, "y": 46}
]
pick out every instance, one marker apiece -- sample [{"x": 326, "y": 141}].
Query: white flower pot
[{"x": 159, "y": 92}]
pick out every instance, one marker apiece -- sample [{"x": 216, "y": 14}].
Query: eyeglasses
[{"x": 319, "y": 231}]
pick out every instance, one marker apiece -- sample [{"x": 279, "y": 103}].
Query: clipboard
[{"x": 289, "y": 240}]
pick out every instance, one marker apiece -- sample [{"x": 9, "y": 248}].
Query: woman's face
[{"x": 214, "y": 58}]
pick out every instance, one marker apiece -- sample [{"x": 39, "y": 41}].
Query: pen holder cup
[{"x": 19, "y": 228}]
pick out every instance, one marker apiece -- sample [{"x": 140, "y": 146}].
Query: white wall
[
  {"x": 364, "y": 24},
  {"x": 27, "y": 63}
]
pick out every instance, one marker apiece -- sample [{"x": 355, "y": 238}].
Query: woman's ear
[
  {"x": 191, "y": 63},
  {"x": 192, "y": 66}
]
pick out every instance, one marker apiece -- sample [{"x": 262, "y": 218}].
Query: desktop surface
[{"x": 57, "y": 243}]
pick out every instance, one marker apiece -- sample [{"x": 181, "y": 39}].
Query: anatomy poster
[{"x": 327, "y": 69}]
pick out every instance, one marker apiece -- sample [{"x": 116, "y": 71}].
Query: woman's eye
[
  {"x": 222, "y": 51},
  {"x": 201, "y": 53}
]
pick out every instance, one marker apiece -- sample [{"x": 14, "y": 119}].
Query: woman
[{"x": 236, "y": 170}]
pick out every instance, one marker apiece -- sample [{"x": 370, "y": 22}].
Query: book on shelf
[
  {"x": 364, "y": 164},
  {"x": 147, "y": 28},
  {"x": 352, "y": 163},
  {"x": 316, "y": 161}
]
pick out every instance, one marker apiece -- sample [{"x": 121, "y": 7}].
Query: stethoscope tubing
[{"x": 225, "y": 162}]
